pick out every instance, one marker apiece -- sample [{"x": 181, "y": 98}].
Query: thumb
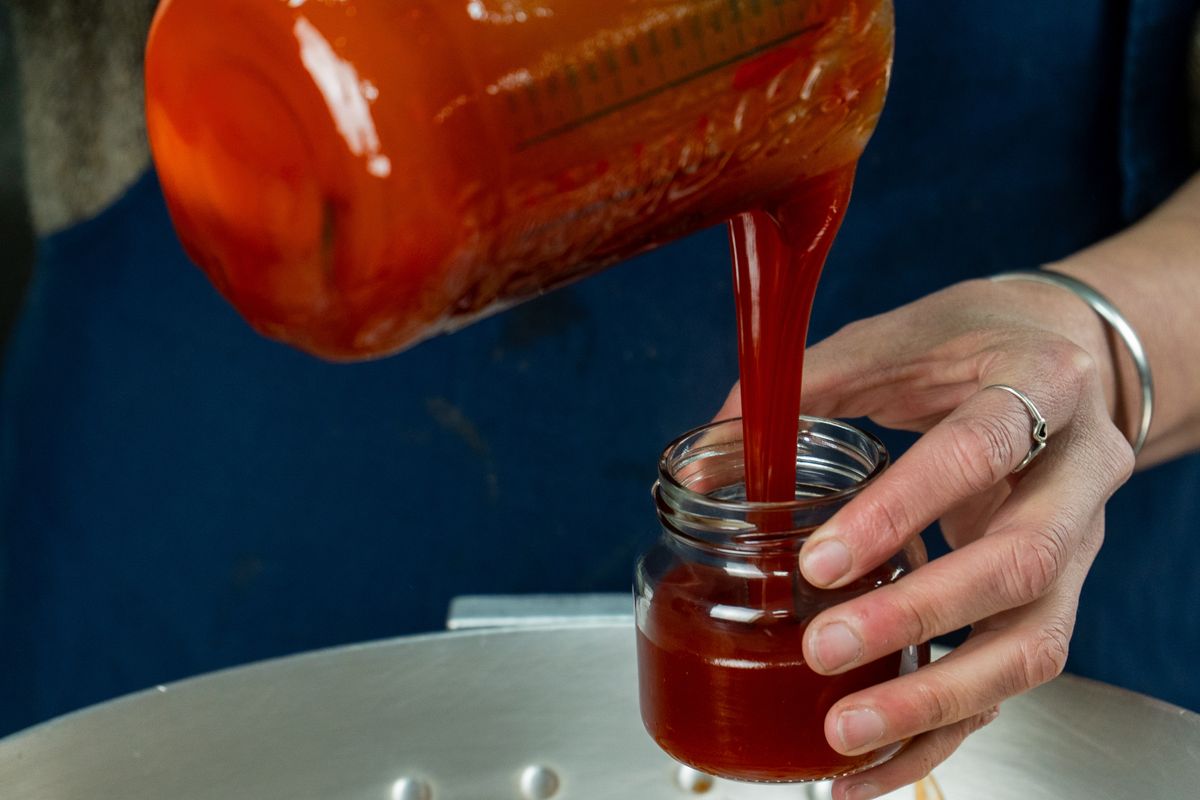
[
  {"x": 837, "y": 373},
  {"x": 906, "y": 369},
  {"x": 853, "y": 372}
]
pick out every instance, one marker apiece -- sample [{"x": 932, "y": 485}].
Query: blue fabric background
[{"x": 178, "y": 495}]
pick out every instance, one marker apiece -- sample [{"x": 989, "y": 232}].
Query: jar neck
[{"x": 701, "y": 490}]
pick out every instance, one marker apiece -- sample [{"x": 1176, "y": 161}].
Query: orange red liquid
[
  {"x": 356, "y": 175},
  {"x": 734, "y": 698},
  {"x": 778, "y": 254}
]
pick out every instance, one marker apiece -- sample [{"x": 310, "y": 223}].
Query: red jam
[
  {"x": 724, "y": 684},
  {"x": 358, "y": 175},
  {"x": 733, "y": 698},
  {"x": 778, "y": 254}
]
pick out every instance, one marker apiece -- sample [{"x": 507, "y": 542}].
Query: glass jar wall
[{"x": 722, "y": 608}]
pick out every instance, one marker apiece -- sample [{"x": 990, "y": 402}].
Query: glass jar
[
  {"x": 722, "y": 608},
  {"x": 355, "y": 176}
]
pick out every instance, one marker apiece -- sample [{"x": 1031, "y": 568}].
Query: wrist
[
  {"x": 1151, "y": 272},
  {"x": 1063, "y": 313},
  {"x": 1117, "y": 352}
]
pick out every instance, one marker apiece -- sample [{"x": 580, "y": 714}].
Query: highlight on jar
[{"x": 721, "y": 608}]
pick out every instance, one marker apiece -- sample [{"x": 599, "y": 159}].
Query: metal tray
[{"x": 527, "y": 714}]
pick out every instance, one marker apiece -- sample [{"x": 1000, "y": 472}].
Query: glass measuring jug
[{"x": 356, "y": 175}]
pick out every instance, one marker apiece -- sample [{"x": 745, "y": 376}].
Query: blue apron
[{"x": 178, "y": 494}]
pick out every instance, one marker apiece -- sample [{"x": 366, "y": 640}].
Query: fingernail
[
  {"x": 990, "y": 715},
  {"x": 859, "y": 728},
  {"x": 835, "y": 646},
  {"x": 826, "y": 563},
  {"x": 861, "y": 791}
]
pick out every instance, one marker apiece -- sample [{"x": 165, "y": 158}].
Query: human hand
[{"x": 1022, "y": 543}]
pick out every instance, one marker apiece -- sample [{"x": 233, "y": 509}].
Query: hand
[{"x": 1022, "y": 543}]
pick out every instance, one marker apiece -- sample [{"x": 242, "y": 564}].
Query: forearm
[{"x": 1151, "y": 272}]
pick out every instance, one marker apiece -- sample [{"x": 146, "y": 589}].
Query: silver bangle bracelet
[{"x": 1109, "y": 313}]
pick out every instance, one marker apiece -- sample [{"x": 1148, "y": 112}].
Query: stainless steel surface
[
  {"x": 539, "y": 783},
  {"x": 538, "y": 610},
  {"x": 465, "y": 714},
  {"x": 411, "y": 789}
]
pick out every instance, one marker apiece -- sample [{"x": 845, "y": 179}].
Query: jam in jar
[{"x": 722, "y": 608}]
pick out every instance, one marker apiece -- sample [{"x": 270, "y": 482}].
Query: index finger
[{"x": 971, "y": 450}]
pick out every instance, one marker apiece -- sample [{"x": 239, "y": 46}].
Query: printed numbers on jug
[{"x": 615, "y": 70}]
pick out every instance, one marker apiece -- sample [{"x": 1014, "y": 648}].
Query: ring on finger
[{"x": 1038, "y": 434}]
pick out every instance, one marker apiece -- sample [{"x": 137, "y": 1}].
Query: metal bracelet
[{"x": 1109, "y": 313}]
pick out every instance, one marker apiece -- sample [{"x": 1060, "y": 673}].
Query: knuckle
[
  {"x": 916, "y": 618},
  {"x": 1039, "y": 559},
  {"x": 1095, "y": 539},
  {"x": 942, "y": 743},
  {"x": 980, "y": 720},
  {"x": 983, "y": 450},
  {"x": 939, "y": 703},
  {"x": 1017, "y": 585},
  {"x": 1126, "y": 461},
  {"x": 1068, "y": 367},
  {"x": 930, "y": 757},
  {"x": 1119, "y": 460},
  {"x": 887, "y": 521},
  {"x": 1075, "y": 364},
  {"x": 1044, "y": 657}
]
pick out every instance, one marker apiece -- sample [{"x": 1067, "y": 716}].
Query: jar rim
[{"x": 808, "y": 424}]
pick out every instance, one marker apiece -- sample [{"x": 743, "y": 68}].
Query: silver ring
[
  {"x": 1109, "y": 313},
  {"x": 1039, "y": 433}
]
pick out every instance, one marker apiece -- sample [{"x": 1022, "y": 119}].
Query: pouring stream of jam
[
  {"x": 778, "y": 254},
  {"x": 735, "y": 697},
  {"x": 356, "y": 176}
]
